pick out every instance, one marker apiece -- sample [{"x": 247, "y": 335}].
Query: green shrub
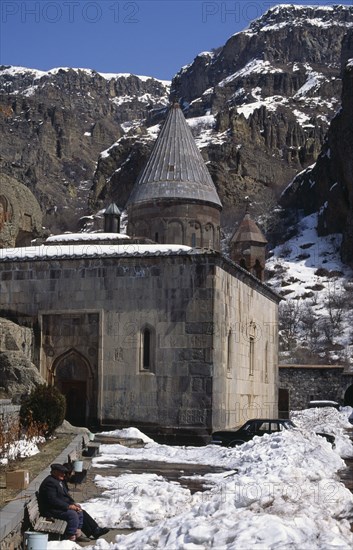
[{"x": 45, "y": 406}]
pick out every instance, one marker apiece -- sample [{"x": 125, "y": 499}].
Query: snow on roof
[
  {"x": 86, "y": 237},
  {"x": 44, "y": 252},
  {"x": 322, "y": 401}
]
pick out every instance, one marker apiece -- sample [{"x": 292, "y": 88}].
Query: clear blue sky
[{"x": 147, "y": 37}]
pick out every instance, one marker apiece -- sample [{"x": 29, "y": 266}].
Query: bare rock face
[
  {"x": 54, "y": 125},
  {"x": 259, "y": 107},
  {"x": 18, "y": 375},
  {"x": 282, "y": 38},
  {"x": 20, "y": 214},
  {"x": 327, "y": 187}
]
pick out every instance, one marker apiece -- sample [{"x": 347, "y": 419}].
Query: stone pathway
[{"x": 170, "y": 471}]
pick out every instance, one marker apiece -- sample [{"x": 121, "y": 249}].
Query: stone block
[{"x": 201, "y": 369}]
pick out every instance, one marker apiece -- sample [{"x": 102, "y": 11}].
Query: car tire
[{"x": 236, "y": 443}]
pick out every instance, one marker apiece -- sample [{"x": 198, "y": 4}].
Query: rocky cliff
[
  {"x": 327, "y": 186},
  {"x": 54, "y": 125},
  {"x": 259, "y": 107},
  {"x": 20, "y": 214},
  {"x": 18, "y": 375}
]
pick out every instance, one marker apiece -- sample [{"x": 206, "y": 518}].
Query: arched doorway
[
  {"x": 72, "y": 376},
  {"x": 348, "y": 396}
]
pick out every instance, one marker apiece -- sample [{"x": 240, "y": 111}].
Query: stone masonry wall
[
  {"x": 307, "y": 383},
  {"x": 177, "y": 300}
]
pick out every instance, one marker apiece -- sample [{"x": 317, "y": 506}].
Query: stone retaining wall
[
  {"x": 8, "y": 410},
  {"x": 306, "y": 383},
  {"x": 12, "y": 515}
]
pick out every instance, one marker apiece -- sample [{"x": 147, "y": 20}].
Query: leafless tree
[
  {"x": 289, "y": 317},
  {"x": 335, "y": 303}
]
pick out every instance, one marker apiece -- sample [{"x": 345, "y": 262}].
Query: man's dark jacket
[{"x": 53, "y": 497}]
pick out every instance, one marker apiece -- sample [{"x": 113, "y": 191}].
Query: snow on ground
[
  {"x": 20, "y": 449},
  {"x": 284, "y": 495},
  {"x": 327, "y": 420},
  {"x": 129, "y": 433}
]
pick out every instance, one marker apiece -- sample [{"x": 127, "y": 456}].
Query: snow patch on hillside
[
  {"x": 256, "y": 66},
  {"x": 271, "y": 103},
  {"x": 318, "y": 289}
]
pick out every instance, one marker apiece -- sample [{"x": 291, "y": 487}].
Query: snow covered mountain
[
  {"x": 269, "y": 113},
  {"x": 55, "y": 124},
  {"x": 327, "y": 186},
  {"x": 259, "y": 107}
]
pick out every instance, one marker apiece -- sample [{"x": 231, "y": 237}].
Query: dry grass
[{"x": 35, "y": 464}]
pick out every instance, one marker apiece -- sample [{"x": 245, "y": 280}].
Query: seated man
[{"x": 55, "y": 501}]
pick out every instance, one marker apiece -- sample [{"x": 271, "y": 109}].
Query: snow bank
[
  {"x": 285, "y": 494},
  {"x": 128, "y": 433}
]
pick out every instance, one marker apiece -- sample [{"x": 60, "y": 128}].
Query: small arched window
[
  {"x": 251, "y": 356},
  {"x": 230, "y": 352},
  {"x": 147, "y": 349},
  {"x": 258, "y": 270}
]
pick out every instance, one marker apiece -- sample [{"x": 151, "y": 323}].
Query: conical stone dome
[
  {"x": 174, "y": 200},
  {"x": 175, "y": 169}
]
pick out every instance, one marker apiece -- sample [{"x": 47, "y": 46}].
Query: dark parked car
[
  {"x": 323, "y": 404},
  {"x": 257, "y": 426}
]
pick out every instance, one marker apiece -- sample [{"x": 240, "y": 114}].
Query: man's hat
[{"x": 59, "y": 468}]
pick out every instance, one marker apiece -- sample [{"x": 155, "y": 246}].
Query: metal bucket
[
  {"x": 78, "y": 465},
  {"x": 36, "y": 541}
]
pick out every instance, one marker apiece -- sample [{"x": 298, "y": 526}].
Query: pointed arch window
[
  {"x": 251, "y": 356},
  {"x": 230, "y": 351},
  {"x": 242, "y": 263},
  {"x": 147, "y": 349},
  {"x": 258, "y": 270}
]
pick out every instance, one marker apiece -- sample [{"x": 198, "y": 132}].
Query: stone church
[{"x": 155, "y": 328}]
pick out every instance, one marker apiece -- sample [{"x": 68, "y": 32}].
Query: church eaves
[{"x": 175, "y": 170}]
